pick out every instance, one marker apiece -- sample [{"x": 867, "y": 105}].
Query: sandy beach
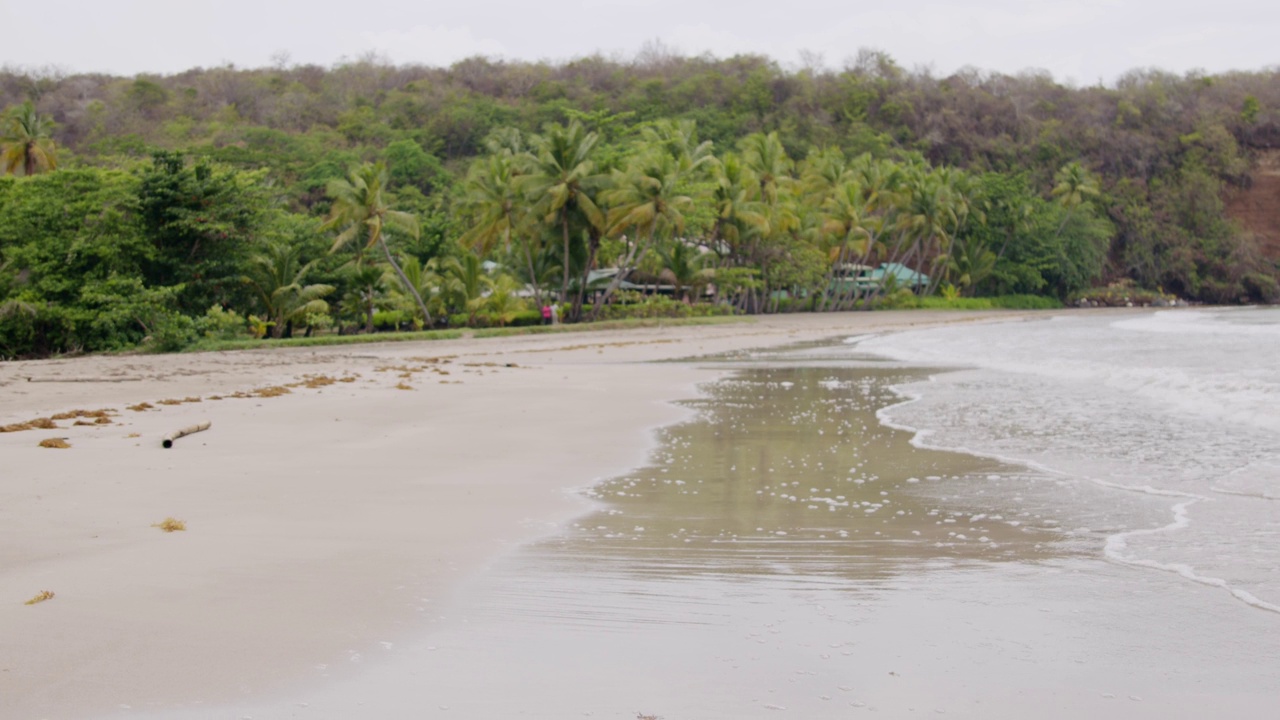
[{"x": 339, "y": 493}]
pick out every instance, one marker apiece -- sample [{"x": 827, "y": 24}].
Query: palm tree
[
  {"x": 26, "y": 144},
  {"x": 276, "y": 274},
  {"x": 679, "y": 139},
  {"x": 367, "y": 287},
  {"x": 970, "y": 263},
  {"x": 683, "y": 267},
  {"x": 424, "y": 280},
  {"x": 560, "y": 176},
  {"x": 768, "y": 159},
  {"x": 463, "y": 282},
  {"x": 847, "y": 225},
  {"x": 1074, "y": 185},
  {"x": 737, "y": 216},
  {"x": 645, "y": 198},
  {"x": 498, "y": 206},
  {"x": 360, "y": 209}
]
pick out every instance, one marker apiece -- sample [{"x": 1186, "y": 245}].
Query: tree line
[{"x": 309, "y": 199}]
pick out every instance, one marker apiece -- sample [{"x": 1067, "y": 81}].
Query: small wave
[
  {"x": 1259, "y": 323},
  {"x": 1117, "y": 543},
  {"x": 1241, "y": 493}
]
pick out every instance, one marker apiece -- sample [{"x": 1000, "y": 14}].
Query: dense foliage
[{"x": 303, "y": 199}]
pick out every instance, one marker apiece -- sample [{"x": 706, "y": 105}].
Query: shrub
[
  {"x": 525, "y": 318},
  {"x": 172, "y": 333},
  {"x": 1122, "y": 293},
  {"x": 388, "y": 319},
  {"x": 220, "y": 324},
  {"x": 661, "y": 306}
]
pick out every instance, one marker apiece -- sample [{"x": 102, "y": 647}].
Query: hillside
[{"x": 1255, "y": 204}]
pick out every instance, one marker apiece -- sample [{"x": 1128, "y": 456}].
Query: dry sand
[{"x": 320, "y": 521}]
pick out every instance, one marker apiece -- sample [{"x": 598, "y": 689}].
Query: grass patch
[
  {"x": 55, "y": 443},
  {"x": 170, "y": 525},
  {"x": 220, "y": 345},
  {"x": 44, "y": 595},
  {"x": 908, "y": 301}
]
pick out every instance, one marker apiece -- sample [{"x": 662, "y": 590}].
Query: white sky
[{"x": 1082, "y": 41}]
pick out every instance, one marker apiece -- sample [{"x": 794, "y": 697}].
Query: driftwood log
[{"x": 198, "y": 427}]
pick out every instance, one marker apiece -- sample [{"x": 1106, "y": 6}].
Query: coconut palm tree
[
  {"x": 26, "y": 145},
  {"x": 848, "y": 231},
  {"x": 463, "y": 282},
  {"x": 361, "y": 210},
  {"x": 1074, "y": 185},
  {"x": 768, "y": 160},
  {"x": 679, "y": 139},
  {"x": 684, "y": 267},
  {"x": 499, "y": 209},
  {"x": 645, "y": 199},
  {"x": 737, "y": 216},
  {"x": 559, "y": 181},
  {"x": 424, "y": 280}
]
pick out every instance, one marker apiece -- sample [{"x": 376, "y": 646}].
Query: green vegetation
[{"x": 228, "y": 208}]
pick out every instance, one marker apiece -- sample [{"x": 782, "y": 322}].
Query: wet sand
[
  {"x": 783, "y": 553},
  {"x": 322, "y": 522}
]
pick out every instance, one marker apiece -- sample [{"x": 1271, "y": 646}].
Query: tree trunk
[
  {"x": 592, "y": 250},
  {"x": 633, "y": 259},
  {"x": 533, "y": 276},
  {"x": 426, "y": 315},
  {"x": 564, "y": 286}
]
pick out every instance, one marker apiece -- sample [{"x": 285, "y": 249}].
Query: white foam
[{"x": 1166, "y": 405}]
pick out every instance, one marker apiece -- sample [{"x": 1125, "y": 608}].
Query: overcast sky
[{"x": 1082, "y": 41}]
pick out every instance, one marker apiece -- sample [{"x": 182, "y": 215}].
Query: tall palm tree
[
  {"x": 26, "y": 144},
  {"x": 360, "y": 208},
  {"x": 493, "y": 197},
  {"x": 561, "y": 176},
  {"x": 737, "y": 216},
  {"x": 645, "y": 198},
  {"x": 768, "y": 159},
  {"x": 848, "y": 231}
]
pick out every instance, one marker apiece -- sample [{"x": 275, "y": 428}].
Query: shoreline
[{"x": 322, "y": 523}]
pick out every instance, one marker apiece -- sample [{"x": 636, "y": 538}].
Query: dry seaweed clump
[
  {"x": 44, "y": 595},
  {"x": 102, "y": 417},
  {"x": 170, "y": 525},
  {"x": 141, "y": 407},
  {"x": 82, "y": 417},
  {"x": 55, "y": 443},
  {"x": 37, "y": 424},
  {"x": 402, "y": 385}
]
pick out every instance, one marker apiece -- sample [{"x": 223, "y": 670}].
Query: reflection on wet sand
[{"x": 787, "y": 472}]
